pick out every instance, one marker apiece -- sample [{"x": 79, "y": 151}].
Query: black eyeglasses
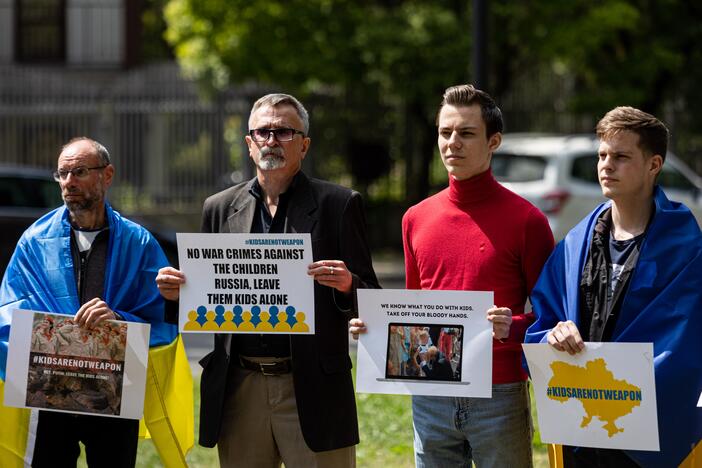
[
  {"x": 80, "y": 172},
  {"x": 280, "y": 134}
]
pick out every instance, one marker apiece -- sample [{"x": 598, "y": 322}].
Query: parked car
[
  {"x": 558, "y": 174},
  {"x": 27, "y": 193}
]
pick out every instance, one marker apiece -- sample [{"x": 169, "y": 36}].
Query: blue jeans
[{"x": 492, "y": 432}]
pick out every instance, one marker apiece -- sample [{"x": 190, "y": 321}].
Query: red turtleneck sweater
[{"x": 478, "y": 236}]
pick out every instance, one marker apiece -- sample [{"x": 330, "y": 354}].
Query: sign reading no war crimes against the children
[
  {"x": 246, "y": 283},
  {"x": 425, "y": 343},
  {"x": 54, "y": 364},
  {"x": 604, "y": 396}
]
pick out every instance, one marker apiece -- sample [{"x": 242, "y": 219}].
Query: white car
[{"x": 558, "y": 174}]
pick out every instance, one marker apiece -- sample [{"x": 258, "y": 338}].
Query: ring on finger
[{"x": 331, "y": 270}]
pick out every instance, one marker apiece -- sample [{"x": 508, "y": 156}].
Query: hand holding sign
[
  {"x": 168, "y": 281},
  {"x": 332, "y": 273}
]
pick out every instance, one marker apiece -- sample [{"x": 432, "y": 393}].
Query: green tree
[
  {"x": 384, "y": 64},
  {"x": 637, "y": 52},
  {"x": 381, "y": 65}
]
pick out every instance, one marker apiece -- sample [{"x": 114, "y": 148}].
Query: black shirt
[
  {"x": 259, "y": 345},
  {"x": 605, "y": 279},
  {"x": 89, "y": 266},
  {"x": 619, "y": 252}
]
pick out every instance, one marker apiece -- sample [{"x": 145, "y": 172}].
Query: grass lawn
[{"x": 386, "y": 436}]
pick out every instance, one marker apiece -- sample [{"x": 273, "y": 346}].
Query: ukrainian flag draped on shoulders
[
  {"x": 40, "y": 276},
  {"x": 663, "y": 305}
]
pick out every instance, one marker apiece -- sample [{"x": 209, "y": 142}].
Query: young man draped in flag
[{"x": 631, "y": 271}]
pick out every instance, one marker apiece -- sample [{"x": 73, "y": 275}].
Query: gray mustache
[{"x": 268, "y": 151}]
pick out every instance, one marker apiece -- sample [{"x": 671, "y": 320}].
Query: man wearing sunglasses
[
  {"x": 301, "y": 411},
  {"x": 84, "y": 259}
]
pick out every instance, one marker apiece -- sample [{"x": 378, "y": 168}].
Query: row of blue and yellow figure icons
[{"x": 271, "y": 320}]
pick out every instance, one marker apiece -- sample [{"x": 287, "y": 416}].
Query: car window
[
  {"x": 672, "y": 178},
  {"x": 507, "y": 167},
  {"x": 584, "y": 168},
  {"x": 29, "y": 192}
]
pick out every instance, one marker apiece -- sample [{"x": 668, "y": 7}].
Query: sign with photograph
[
  {"x": 425, "y": 342},
  {"x": 54, "y": 364},
  {"x": 604, "y": 396},
  {"x": 246, "y": 283}
]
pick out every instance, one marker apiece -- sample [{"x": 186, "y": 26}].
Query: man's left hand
[
  {"x": 332, "y": 273},
  {"x": 93, "y": 313},
  {"x": 501, "y": 318}
]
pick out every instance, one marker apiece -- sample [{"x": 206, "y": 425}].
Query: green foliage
[
  {"x": 633, "y": 52},
  {"x": 305, "y": 44},
  {"x": 373, "y": 59},
  {"x": 381, "y": 65},
  {"x": 296, "y": 44}
]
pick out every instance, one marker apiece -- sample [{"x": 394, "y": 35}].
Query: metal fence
[{"x": 170, "y": 147}]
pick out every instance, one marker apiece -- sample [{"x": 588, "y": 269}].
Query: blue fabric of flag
[
  {"x": 40, "y": 275},
  {"x": 663, "y": 305}
]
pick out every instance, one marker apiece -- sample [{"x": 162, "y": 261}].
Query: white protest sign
[
  {"x": 604, "y": 396},
  {"x": 425, "y": 342},
  {"x": 246, "y": 283},
  {"x": 53, "y": 364}
]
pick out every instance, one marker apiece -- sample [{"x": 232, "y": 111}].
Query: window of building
[{"x": 41, "y": 30}]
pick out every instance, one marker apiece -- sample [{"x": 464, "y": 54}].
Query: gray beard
[
  {"x": 271, "y": 162},
  {"x": 85, "y": 205},
  {"x": 88, "y": 203}
]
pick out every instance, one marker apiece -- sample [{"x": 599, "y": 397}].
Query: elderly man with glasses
[
  {"x": 301, "y": 411},
  {"x": 84, "y": 259}
]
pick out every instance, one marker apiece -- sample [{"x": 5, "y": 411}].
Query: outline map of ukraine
[{"x": 597, "y": 390}]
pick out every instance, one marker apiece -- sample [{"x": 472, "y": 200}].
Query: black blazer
[{"x": 320, "y": 362}]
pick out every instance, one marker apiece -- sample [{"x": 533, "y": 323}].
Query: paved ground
[{"x": 390, "y": 274}]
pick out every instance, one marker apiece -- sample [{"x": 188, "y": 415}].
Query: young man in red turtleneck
[{"x": 476, "y": 236}]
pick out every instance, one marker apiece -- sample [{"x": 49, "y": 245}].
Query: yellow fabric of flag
[
  {"x": 14, "y": 431},
  {"x": 694, "y": 459},
  {"x": 168, "y": 403},
  {"x": 555, "y": 456},
  {"x": 168, "y": 411}
]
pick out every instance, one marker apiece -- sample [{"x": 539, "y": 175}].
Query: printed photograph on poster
[
  {"x": 425, "y": 343},
  {"x": 413, "y": 355},
  {"x": 76, "y": 369},
  {"x": 246, "y": 283},
  {"x": 604, "y": 396},
  {"x": 55, "y": 364}
]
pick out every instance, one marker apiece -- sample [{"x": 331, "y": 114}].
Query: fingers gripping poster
[
  {"x": 246, "y": 283},
  {"x": 55, "y": 364}
]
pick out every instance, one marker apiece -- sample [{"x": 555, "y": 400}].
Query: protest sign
[
  {"x": 246, "y": 283},
  {"x": 425, "y": 342},
  {"x": 604, "y": 396},
  {"x": 54, "y": 364}
]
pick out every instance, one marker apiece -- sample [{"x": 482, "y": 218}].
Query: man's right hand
[
  {"x": 566, "y": 337},
  {"x": 168, "y": 281},
  {"x": 356, "y": 327}
]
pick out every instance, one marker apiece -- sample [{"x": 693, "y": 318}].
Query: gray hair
[
  {"x": 280, "y": 99},
  {"x": 100, "y": 150}
]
